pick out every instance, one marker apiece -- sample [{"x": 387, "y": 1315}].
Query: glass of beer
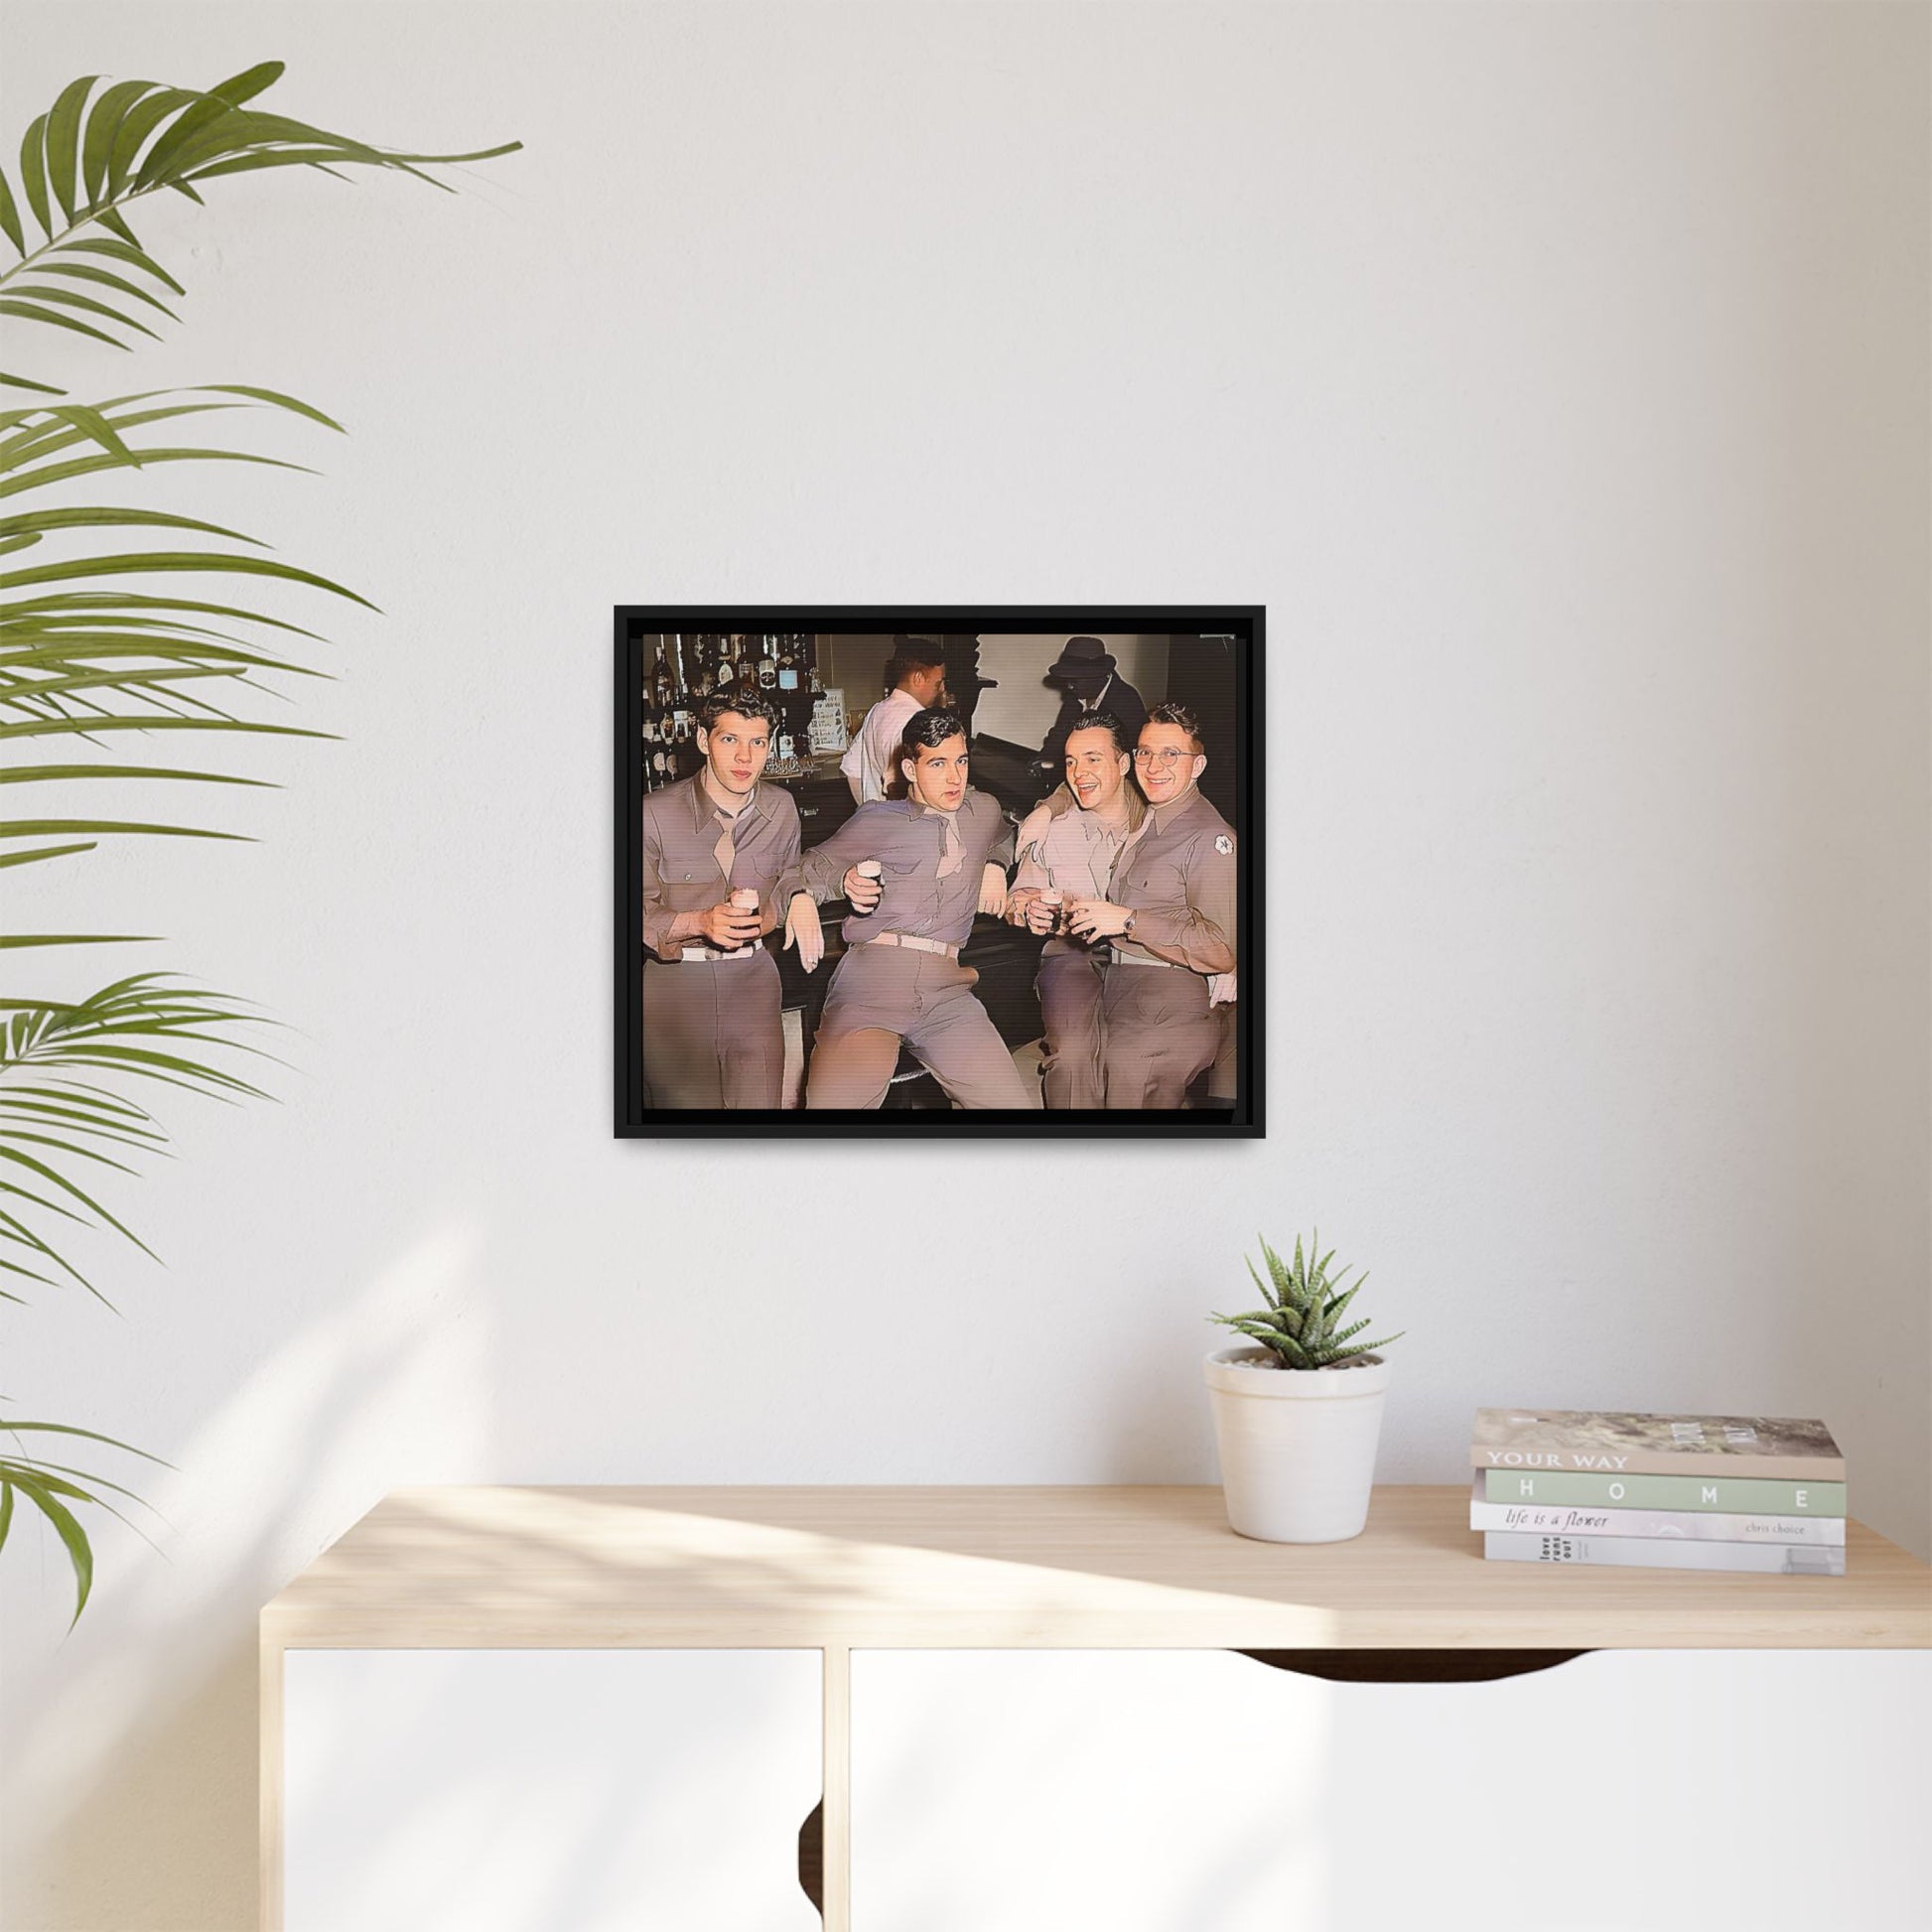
[
  {"x": 1055, "y": 902},
  {"x": 745, "y": 898},
  {"x": 871, "y": 868}
]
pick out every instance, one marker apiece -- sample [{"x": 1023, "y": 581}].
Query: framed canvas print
[{"x": 924, "y": 869}]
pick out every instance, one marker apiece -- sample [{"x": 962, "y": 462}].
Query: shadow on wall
[{"x": 147, "y": 1823}]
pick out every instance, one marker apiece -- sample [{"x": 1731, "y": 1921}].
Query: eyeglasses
[{"x": 1165, "y": 760}]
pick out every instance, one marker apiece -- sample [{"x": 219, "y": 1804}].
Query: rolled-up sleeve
[
  {"x": 823, "y": 869},
  {"x": 787, "y": 863},
  {"x": 1202, "y": 934},
  {"x": 658, "y": 914},
  {"x": 1032, "y": 842}
]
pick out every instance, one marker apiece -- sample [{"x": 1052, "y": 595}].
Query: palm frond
[
  {"x": 146, "y": 1026},
  {"x": 54, "y": 1487},
  {"x": 86, "y": 161}
]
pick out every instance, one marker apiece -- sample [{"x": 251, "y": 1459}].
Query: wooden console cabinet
[{"x": 564, "y": 1709}]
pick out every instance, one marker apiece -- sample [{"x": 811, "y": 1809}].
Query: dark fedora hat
[{"x": 1082, "y": 654}]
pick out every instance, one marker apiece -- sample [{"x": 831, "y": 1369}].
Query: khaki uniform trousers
[
  {"x": 1069, "y": 986},
  {"x": 1158, "y": 1032},
  {"x": 884, "y": 995},
  {"x": 714, "y": 1036}
]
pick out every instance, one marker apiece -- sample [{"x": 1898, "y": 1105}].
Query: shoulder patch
[{"x": 1223, "y": 843}]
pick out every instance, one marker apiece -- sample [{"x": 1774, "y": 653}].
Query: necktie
[
  {"x": 951, "y": 856},
  {"x": 727, "y": 851}
]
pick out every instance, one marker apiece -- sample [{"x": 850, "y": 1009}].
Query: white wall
[{"x": 1556, "y": 376}]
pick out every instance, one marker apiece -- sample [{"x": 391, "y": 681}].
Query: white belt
[
  {"x": 1146, "y": 959},
  {"x": 698, "y": 954},
  {"x": 912, "y": 940}
]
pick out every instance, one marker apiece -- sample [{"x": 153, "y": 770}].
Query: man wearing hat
[{"x": 1089, "y": 680}]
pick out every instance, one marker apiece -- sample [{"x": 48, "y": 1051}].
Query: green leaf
[
  {"x": 41, "y": 853},
  {"x": 74, "y": 519},
  {"x": 1268, "y": 1293},
  {"x": 115, "y": 222},
  {"x": 102, "y": 121},
  {"x": 67, "y": 1186},
  {"x": 63, "y": 142},
  {"x": 272, "y": 397},
  {"x": 25, "y": 383},
  {"x": 145, "y": 563},
  {"x": 136, "y": 126},
  {"x": 121, "y": 251},
  {"x": 90, "y": 725},
  {"x": 250, "y": 83},
  {"x": 106, "y": 279},
  {"x": 33, "y": 174},
  {"x": 72, "y": 299},
  {"x": 56, "y": 473},
  {"x": 208, "y": 117},
  {"x": 31, "y": 312},
  {"x": 11, "y": 1428},
  {"x": 10, "y": 215},
  {"x": 20, "y": 941},
  {"x": 80, "y": 1552},
  {"x": 6, "y": 1511},
  {"x": 65, "y": 774},
  {"x": 23, "y": 828}
]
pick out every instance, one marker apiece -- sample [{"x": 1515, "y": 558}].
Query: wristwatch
[{"x": 1127, "y": 931}]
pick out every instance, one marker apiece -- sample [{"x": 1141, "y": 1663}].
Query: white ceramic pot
[{"x": 1298, "y": 1445}]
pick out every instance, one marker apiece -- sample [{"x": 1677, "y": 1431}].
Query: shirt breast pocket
[{"x": 1159, "y": 883}]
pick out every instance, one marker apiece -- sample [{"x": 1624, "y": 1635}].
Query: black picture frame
[{"x": 1240, "y": 629}]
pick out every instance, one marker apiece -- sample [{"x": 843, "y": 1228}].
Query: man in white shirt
[{"x": 915, "y": 680}]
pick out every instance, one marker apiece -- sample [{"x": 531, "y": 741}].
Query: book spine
[
  {"x": 1690, "y": 1525},
  {"x": 1642, "y": 1553},
  {"x": 1659, "y": 1462},
  {"x": 1735, "y": 1495}
]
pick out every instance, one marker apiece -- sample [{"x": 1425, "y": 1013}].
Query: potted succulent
[{"x": 1297, "y": 1414}]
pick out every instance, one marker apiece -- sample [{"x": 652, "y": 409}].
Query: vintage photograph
[{"x": 958, "y": 871}]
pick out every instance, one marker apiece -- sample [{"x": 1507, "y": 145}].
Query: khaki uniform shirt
[
  {"x": 1073, "y": 850},
  {"x": 681, "y": 870},
  {"x": 909, "y": 839},
  {"x": 1177, "y": 878}
]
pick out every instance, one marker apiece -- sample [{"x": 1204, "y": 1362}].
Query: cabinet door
[
  {"x": 1201, "y": 1791},
  {"x": 533, "y": 1790}
]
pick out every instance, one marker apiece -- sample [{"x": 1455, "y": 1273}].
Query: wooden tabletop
[{"x": 1026, "y": 1567}]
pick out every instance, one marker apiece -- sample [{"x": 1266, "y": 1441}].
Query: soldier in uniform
[
  {"x": 1068, "y": 845},
  {"x": 1170, "y": 915},
  {"x": 937, "y": 853},
  {"x": 721, "y": 858}
]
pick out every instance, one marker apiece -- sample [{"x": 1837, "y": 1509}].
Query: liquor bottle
[
  {"x": 725, "y": 676},
  {"x": 784, "y": 748},
  {"x": 788, "y": 667},
  {"x": 817, "y": 684},
  {"x": 697, "y": 663},
  {"x": 660, "y": 677},
  {"x": 768, "y": 665}
]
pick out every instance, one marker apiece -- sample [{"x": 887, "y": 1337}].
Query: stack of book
[{"x": 1663, "y": 1492}]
